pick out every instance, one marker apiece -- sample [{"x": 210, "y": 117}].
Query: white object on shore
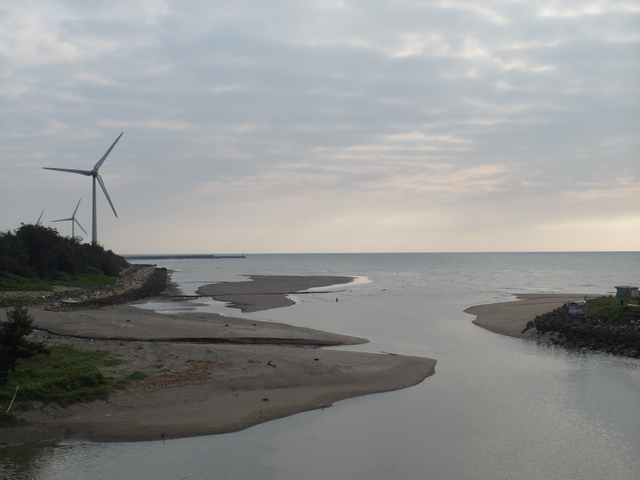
[{"x": 578, "y": 307}]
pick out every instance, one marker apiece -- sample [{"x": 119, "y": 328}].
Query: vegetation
[
  {"x": 613, "y": 310},
  {"x": 59, "y": 374},
  {"x": 610, "y": 325},
  {"x": 14, "y": 283},
  {"x": 13, "y": 342},
  {"x": 87, "y": 280},
  {"x": 35, "y": 259},
  {"x": 64, "y": 376},
  {"x": 36, "y": 254}
]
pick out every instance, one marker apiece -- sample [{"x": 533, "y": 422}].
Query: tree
[
  {"x": 13, "y": 344},
  {"x": 38, "y": 252}
]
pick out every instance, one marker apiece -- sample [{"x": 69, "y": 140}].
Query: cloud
[{"x": 326, "y": 125}]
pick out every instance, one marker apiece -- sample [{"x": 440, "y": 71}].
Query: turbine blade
[
  {"x": 40, "y": 218},
  {"x": 71, "y": 170},
  {"x": 104, "y": 189},
  {"x": 78, "y": 223},
  {"x": 74, "y": 212},
  {"x": 104, "y": 157},
  {"x": 63, "y": 220}
]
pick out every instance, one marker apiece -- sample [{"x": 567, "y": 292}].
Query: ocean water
[{"x": 497, "y": 407}]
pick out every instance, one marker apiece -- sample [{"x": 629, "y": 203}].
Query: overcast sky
[{"x": 325, "y": 125}]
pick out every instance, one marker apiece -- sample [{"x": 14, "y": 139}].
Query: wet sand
[
  {"x": 511, "y": 318},
  {"x": 208, "y": 373},
  {"x": 265, "y": 292}
]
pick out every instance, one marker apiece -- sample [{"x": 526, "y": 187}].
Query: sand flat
[
  {"x": 127, "y": 322},
  {"x": 203, "y": 385},
  {"x": 246, "y": 386},
  {"x": 263, "y": 292},
  {"x": 511, "y": 318}
]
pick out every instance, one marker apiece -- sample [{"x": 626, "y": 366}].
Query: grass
[
  {"x": 65, "y": 376},
  {"x": 86, "y": 280},
  {"x": 134, "y": 377},
  {"x": 110, "y": 362},
  {"x": 610, "y": 309},
  {"x": 14, "y": 283},
  {"x": 10, "y": 283}
]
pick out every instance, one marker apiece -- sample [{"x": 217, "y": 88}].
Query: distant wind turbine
[
  {"x": 96, "y": 177},
  {"x": 39, "y": 218},
  {"x": 73, "y": 221}
]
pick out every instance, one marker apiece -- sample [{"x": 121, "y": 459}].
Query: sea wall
[{"x": 579, "y": 332}]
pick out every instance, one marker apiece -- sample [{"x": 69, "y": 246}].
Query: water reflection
[
  {"x": 24, "y": 461},
  {"x": 199, "y": 458}
]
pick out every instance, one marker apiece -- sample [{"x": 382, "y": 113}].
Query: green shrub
[
  {"x": 38, "y": 252},
  {"x": 613, "y": 310},
  {"x": 13, "y": 342},
  {"x": 67, "y": 375}
]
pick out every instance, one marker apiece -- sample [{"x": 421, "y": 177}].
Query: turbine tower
[
  {"x": 73, "y": 221},
  {"x": 96, "y": 178}
]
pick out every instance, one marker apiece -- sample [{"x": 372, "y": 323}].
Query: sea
[{"x": 497, "y": 408}]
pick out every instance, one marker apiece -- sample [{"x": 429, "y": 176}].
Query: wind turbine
[
  {"x": 73, "y": 221},
  {"x": 96, "y": 177},
  {"x": 39, "y": 218}
]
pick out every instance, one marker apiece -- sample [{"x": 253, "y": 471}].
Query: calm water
[{"x": 497, "y": 408}]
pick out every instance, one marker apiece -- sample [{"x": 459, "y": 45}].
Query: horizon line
[{"x": 130, "y": 255}]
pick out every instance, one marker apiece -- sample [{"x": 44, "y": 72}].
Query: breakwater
[
  {"x": 577, "y": 331},
  {"x": 136, "y": 283},
  {"x": 186, "y": 256}
]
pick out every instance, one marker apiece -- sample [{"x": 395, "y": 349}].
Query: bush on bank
[{"x": 38, "y": 254}]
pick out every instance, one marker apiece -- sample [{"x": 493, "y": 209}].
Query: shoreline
[
  {"x": 511, "y": 318},
  {"x": 208, "y": 373}
]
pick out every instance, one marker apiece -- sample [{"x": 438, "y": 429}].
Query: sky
[{"x": 325, "y": 125}]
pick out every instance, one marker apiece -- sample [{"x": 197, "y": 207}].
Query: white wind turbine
[
  {"x": 73, "y": 221},
  {"x": 96, "y": 177}
]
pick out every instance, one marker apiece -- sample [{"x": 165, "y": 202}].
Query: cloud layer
[{"x": 330, "y": 126}]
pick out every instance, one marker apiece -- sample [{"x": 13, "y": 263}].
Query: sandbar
[
  {"x": 263, "y": 292},
  {"x": 208, "y": 374},
  {"x": 511, "y": 318}
]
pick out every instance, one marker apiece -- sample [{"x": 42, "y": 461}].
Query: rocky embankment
[
  {"x": 575, "y": 331},
  {"x": 137, "y": 282}
]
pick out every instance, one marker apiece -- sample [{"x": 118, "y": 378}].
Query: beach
[
  {"x": 211, "y": 374},
  {"x": 208, "y": 373},
  {"x": 511, "y": 318}
]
